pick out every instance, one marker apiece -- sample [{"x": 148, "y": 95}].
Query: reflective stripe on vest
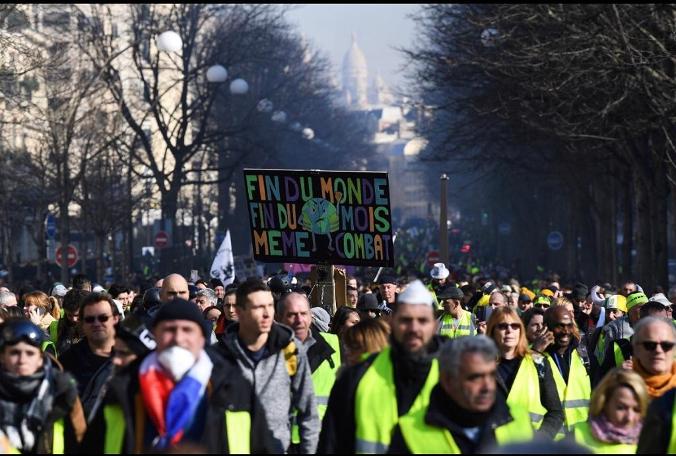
[
  {"x": 575, "y": 395},
  {"x": 58, "y": 443},
  {"x": 672, "y": 442},
  {"x": 464, "y": 328},
  {"x": 584, "y": 437},
  {"x": 376, "y": 411},
  {"x": 525, "y": 392},
  {"x": 323, "y": 379},
  {"x": 421, "y": 438},
  {"x": 238, "y": 429},
  {"x": 114, "y": 429}
]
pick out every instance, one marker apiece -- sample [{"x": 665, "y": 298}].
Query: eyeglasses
[
  {"x": 504, "y": 326},
  {"x": 100, "y": 318},
  {"x": 652, "y": 346}
]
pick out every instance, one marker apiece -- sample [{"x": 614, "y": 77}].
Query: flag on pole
[{"x": 223, "y": 266}]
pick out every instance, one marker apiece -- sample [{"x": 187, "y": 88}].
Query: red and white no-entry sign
[
  {"x": 161, "y": 239},
  {"x": 71, "y": 255}
]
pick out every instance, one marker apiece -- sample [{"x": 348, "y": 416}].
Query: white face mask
[{"x": 177, "y": 361}]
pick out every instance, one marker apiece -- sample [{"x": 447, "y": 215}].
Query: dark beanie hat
[{"x": 180, "y": 309}]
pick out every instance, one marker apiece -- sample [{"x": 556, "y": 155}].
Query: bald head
[{"x": 174, "y": 285}]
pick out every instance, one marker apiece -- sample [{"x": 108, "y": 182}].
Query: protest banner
[{"x": 320, "y": 217}]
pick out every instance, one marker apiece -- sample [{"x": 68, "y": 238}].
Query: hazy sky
[{"x": 379, "y": 29}]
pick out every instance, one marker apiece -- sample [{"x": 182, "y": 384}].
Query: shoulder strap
[{"x": 291, "y": 358}]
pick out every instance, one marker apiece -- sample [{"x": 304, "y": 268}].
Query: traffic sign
[
  {"x": 71, "y": 255},
  {"x": 554, "y": 240},
  {"x": 433, "y": 257},
  {"x": 161, "y": 239},
  {"x": 51, "y": 226}
]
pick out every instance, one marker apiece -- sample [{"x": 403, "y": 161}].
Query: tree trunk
[
  {"x": 628, "y": 227},
  {"x": 99, "y": 240},
  {"x": 644, "y": 238},
  {"x": 64, "y": 238},
  {"x": 659, "y": 222}
]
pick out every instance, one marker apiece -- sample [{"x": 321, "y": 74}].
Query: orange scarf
[{"x": 657, "y": 384}]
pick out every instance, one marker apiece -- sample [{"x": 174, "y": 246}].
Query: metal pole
[{"x": 443, "y": 224}]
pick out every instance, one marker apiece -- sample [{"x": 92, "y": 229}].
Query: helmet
[
  {"x": 20, "y": 330},
  {"x": 151, "y": 298}
]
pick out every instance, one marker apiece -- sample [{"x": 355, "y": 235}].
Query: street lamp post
[{"x": 443, "y": 221}]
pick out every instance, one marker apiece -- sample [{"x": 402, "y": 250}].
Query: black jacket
[
  {"x": 657, "y": 426},
  {"x": 339, "y": 425},
  {"x": 226, "y": 391},
  {"x": 443, "y": 412},
  {"x": 549, "y": 397}
]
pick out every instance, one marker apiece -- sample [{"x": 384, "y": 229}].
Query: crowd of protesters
[{"x": 451, "y": 364}]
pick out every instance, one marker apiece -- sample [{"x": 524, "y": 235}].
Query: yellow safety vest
[
  {"x": 584, "y": 437},
  {"x": 465, "y": 326},
  {"x": 376, "y": 412},
  {"x": 525, "y": 392},
  {"x": 437, "y": 304},
  {"x": 421, "y": 438},
  {"x": 237, "y": 427},
  {"x": 323, "y": 379},
  {"x": 575, "y": 395}
]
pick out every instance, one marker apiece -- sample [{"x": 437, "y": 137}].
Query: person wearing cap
[
  {"x": 656, "y": 306},
  {"x": 367, "y": 399},
  {"x": 568, "y": 366},
  {"x": 323, "y": 349},
  {"x": 617, "y": 334},
  {"x": 58, "y": 292},
  {"x": 454, "y": 321},
  {"x": 465, "y": 414},
  {"x": 439, "y": 275},
  {"x": 183, "y": 393},
  {"x": 40, "y": 411},
  {"x": 270, "y": 356},
  {"x": 368, "y": 307},
  {"x": 525, "y": 302},
  {"x": 388, "y": 291}
]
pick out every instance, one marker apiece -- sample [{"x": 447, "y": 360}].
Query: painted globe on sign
[{"x": 319, "y": 216}]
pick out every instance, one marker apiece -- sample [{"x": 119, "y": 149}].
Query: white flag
[{"x": 223, "y": 266}]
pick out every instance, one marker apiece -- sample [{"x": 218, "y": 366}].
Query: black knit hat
[{"x": 180, "y": 309}]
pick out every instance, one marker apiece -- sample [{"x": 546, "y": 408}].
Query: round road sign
[{"x": 72, "y": 256}]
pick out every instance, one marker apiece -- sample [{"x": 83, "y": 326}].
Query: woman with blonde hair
[
  {"x": 616, "y": 412},
  {"x": 41, "y": 309},
  {"x": 370, "y": 335},
  {"x": 523, "y": 376}
]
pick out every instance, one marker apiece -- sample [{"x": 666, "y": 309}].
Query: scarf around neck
[
  {"x": 171, "y": 406},
  {"x": 657, "y": 384},
  {"x": 607, "y": 432}
]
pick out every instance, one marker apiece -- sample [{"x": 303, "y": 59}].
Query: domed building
[{"x": 355, "y": 76}]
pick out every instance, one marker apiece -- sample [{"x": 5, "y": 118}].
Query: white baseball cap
[{"x": 439, "y": 271}]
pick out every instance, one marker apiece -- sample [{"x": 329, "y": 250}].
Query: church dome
[{"x": 354, "y": 59}]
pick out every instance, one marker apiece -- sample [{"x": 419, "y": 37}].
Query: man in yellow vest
[
  {"x": 367, "y": 399},
  {"x": 323, "y": 350},
  {"x": 455, "y": 321},
  {"x": 568, "y": 366},
  {"x": 464, "y": 415}
]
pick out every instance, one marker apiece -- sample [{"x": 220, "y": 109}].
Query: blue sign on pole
[
  {"x": 51, "y": 226},
  {"x": 555, "y": 240}
]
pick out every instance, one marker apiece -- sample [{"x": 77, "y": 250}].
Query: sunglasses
[
  {"x": 100, "y": 318},
  {"x": 652, "y": 346},
  {"x": 504, "y": 326}
]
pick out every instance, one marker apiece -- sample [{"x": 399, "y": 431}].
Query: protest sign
[{"x": 320, "y": 217}]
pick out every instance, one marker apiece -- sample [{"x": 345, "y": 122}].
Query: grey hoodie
[
  {"x": 276, "y": 391},
  {"x": 618, "y": 329}
]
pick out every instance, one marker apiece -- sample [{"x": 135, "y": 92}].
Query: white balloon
[
  {"x": 169, "y": 42},
  {"x": 217, "y": 73},
  {"x": 308, "y": 133},
  {"x": 239, "y": 87}
]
